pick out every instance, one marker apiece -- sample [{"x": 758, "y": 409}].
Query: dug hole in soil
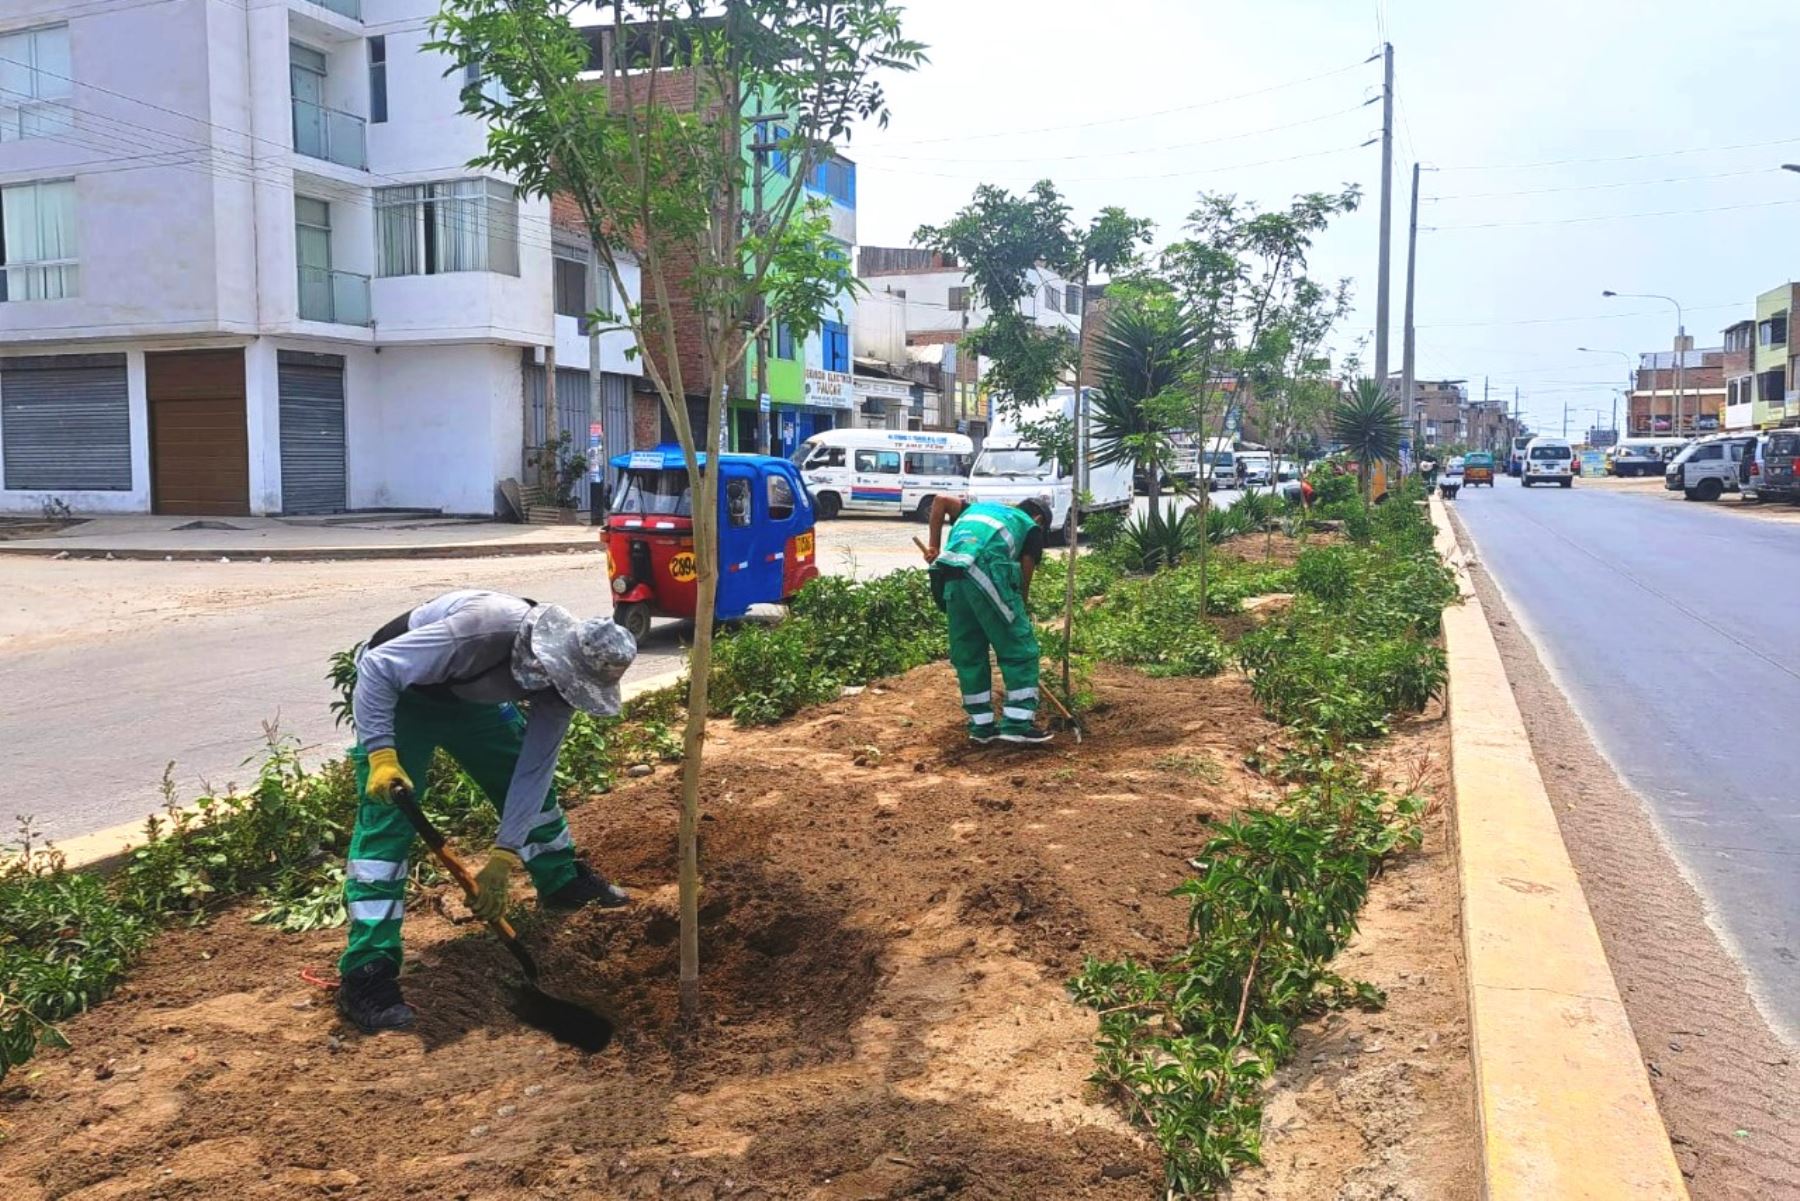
[{"x": 888, "y": 920}]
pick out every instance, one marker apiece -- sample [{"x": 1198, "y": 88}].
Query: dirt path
[
  {"x": 888, "y": 922},
  {"x": 1728, "y": 1088}
]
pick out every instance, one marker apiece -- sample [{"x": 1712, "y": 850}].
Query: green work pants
[
  {"x": 484, "y": 740},
  {"x": 977, "y": 623}
]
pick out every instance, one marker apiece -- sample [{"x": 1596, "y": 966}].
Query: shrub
[
  {"x": 1166, "y": 536},
  {"x": 840, "y": 632},
  {"x": 1154, "y": 623}
]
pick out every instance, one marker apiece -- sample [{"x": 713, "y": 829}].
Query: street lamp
[
  {"x": 1680, "y": 354},
  {"x": 1629, "y": 359}
]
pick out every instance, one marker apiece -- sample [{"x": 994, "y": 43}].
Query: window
[
  {"x": 959, "y": 300},
  {"x": 781, "y": 498},
  {"x": 457, "y": 225},
  {"x": 1052, "y": 300},
  {"x": 826, "y": 456},
  {"x": 1072, "y": 300},
  {"x": 737, "y": 501},
  {"x": 477, "y": 84},
  {"x": 312, "y": 252},
  {"x": 654, "y": 494},
  {"x": 1707, "y": 454},
  {"x": 37, "y": 242},
  {"x": 35, "y": 83},
  {"x": 569, "y": 266},
  {"x": 878, "y": 462},
  {"x": 920, "y": 462},
  {"x": 377, "y": 80},
  {"x": 836, "y": 349},
  {"x": 784, "y": 341},
  {"x": 1771, "y": 386},
  {"x": 836, "y": 178},
  {"x": 1737, "y": 338}
]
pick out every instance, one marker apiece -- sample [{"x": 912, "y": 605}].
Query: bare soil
[
  {"x": 1277, "y": 547},
  {"x": 1728, "y": 1087},
  {"x": 888, "y": 919}
]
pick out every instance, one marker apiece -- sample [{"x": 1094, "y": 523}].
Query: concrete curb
[
  {"x": 105, "y": 850},
  {"x": 309, "y": 554},
  {"x": 1562, "y": 1097}
]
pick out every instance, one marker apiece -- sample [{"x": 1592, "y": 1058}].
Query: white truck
[{"x": 1010, "y": 468}]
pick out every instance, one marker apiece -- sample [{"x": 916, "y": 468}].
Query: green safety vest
[{"x": 984, "y": 546}]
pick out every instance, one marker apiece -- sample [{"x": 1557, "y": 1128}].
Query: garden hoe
[
  {"x": 566, "y": 1021},
  {"x": 1074, "y": 722}
]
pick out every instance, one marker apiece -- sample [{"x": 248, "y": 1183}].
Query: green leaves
[{"x": 1368, "y": 426}]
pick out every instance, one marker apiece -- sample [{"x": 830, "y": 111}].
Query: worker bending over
[
  {"x": 981, "y": 579},
  {"x": 450, "y": 674}
]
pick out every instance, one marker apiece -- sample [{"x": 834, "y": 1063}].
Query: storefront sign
[
  {"x": 883, "y": 389},
  {"x": 830, "y": 389},
  {"x": 596, "y": 454},
  {"x": 646, "y": 460}
]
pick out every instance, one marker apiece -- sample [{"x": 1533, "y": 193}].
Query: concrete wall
[{"x": 445, "y": 455}]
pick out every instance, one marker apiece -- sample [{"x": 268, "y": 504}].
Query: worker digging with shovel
[
  {"x": 981, "y": 579},
  {"x": 451, "y": 674}
]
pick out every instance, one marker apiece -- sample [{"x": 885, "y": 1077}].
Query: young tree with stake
[{"x": 659, "y": 174}]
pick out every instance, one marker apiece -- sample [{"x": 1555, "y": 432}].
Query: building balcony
[
  {"x": 343, "y": 8},
  {"x": 334, "y": 297},
  {"x": 326, "y": 133}
]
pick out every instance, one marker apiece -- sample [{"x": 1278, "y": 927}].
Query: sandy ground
[
  {"x": 889, "y": 918},
  {"x": 1652, "y": 488},
  {"x": 1728, "y": 1087}
]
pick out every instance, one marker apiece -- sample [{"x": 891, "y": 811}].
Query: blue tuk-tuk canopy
[{"x": 668, "y": 457}]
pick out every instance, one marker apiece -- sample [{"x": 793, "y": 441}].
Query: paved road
[
  {"x": 1673, "y": 631},
  {"x": 114, "y": 669}
]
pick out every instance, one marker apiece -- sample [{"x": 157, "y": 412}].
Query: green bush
[
  {"x": 1154, "y": 623},
  {"x": 1186, "y": 1045},
  {"x": 65, "y": 942},
  {"x": 840, "y": 632},
  {"x": 1166, "y": 536}
]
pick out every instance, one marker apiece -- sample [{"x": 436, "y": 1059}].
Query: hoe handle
[{"x": 434, "y": 838}]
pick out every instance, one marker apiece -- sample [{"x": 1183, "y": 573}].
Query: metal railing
[
  {"x": 339, "y": 297},
  {"x": 326, "y": 133}
]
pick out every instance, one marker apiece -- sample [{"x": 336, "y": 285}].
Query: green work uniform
[
  {"x": 978, "y": 583},
  {"x": 485, "y": 741}
]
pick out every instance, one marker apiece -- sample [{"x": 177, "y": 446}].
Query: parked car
[
  {"x": 1708, "y": 468},
  {"x": 1549, "y": 461},
  {"x": 1478, "y": 468},
  {"x": 1778, "y": 460},
  {"x": 1255, "y": 468},
  {"x": 1641, "y": 456}
]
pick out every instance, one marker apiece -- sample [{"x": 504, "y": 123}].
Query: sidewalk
[{"x": 349, "y": 536}]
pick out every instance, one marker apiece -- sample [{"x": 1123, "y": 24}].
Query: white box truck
[{"x": 1010, "y": 469}]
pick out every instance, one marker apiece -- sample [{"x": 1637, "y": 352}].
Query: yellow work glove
[
  {"x": 489, "y": 901},
  {"x": 384, "y": 773}
]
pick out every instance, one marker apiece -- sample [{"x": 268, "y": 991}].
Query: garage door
[
  {"x": 312, "y": 433},
  {"x": 65, "y": 422},
  {"x": 199, "y": 447}
]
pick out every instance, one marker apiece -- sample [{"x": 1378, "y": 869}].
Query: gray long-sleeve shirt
[{"x": 464, "y": 640}]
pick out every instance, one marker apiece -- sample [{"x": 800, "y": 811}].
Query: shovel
[{"x": 566, "y": 1021}]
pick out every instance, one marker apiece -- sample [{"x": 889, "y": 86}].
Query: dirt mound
[{"x": 885, "y": 940}]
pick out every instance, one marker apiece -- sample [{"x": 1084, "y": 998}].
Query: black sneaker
[
  {"x": 588, "y": 887},
  {"x": 369, "y": 998},
  {"x": 1035, "y": 736}
]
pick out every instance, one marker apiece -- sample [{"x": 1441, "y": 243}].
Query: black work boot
[
  {"x": 369, "y": 997},
  {"x": 588, "y": 887},
  {"x": 1036, "y": 736}
]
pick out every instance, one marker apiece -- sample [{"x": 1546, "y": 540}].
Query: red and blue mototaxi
[{"x": 766, "y": 548}]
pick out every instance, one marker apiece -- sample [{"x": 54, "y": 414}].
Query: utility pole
[
  {"x": 1406, "y": 343},
  {"x": 1387, "y": 214},
  {"x": 1565, "y": 419}
]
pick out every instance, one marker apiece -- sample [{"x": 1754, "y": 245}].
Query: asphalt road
[
  {"x": 115, "y": 669},
  {"x": 1672, "y": 630}
]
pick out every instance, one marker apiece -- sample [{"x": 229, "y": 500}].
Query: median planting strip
[{"x": 1562, "y": 1096}]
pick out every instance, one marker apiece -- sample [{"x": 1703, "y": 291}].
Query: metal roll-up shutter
[
  {"x": 312, "y": 433},
  {"x": 65, "y": 423},
  {"x": 572, "y": 403},
  {"x": 615, "y": 420}
]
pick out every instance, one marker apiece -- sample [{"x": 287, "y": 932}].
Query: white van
[
  {"x": 1010, "y": 469},
  {"x": 1218, "y": 465},
  {"x": 891, "y": 472},
  {"x": 1549, "y": 461},
  {"x": 1255, "y": 468}
]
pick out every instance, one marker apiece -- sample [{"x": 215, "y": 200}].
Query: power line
[
  {"x": 1622, "y": 158},
  {"x": 1724, "y": 208},
  {"x": 1182, "y": 174},
  {"x": 1185, "y": 108},
  {"x": 1053, "y": 158},
  {"x": 1594, "y": 187}
]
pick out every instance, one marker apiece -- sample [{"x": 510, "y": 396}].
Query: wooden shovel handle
[{"x": 459, "y": 871}]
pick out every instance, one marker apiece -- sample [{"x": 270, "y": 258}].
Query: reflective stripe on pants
[{"x": 976, "y": 628}]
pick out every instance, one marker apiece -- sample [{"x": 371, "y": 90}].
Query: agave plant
[
  {"x": 1255, "y": 510},
  {"x": 1368, "y": 425},
  {"x": 1163, "y": 537}
]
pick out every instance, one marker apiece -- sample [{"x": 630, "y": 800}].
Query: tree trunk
[{"x": 693, "y": 739}]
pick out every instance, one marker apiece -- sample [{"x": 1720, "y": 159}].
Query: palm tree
[
  {"x": 1367, "y": 424},
  {"x": 1142, "y": 354}
]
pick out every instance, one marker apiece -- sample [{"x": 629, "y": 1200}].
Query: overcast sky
[{"x": 1535, "y": 115}]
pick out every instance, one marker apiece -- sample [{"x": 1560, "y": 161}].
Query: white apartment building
[
  {"x": 245, "y": 268},
  {"x": 919, "y": 305}
]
